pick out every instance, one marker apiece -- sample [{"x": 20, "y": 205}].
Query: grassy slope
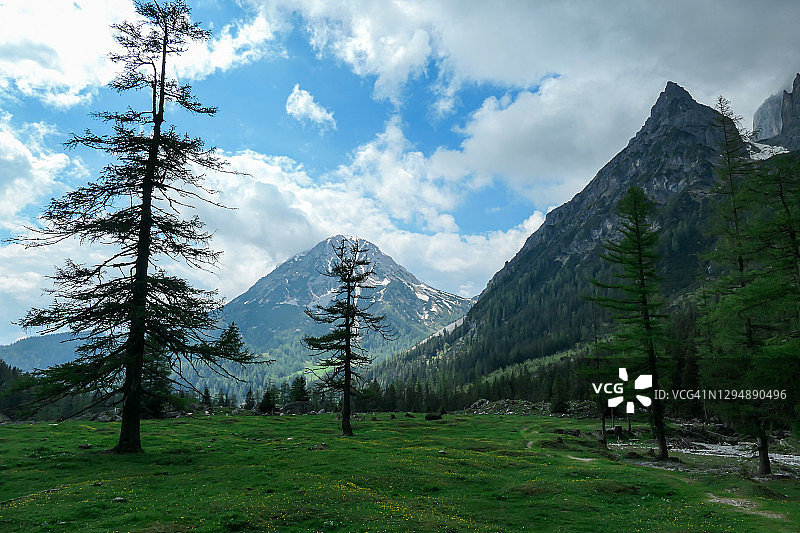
[{"x": 226, "y": 473}]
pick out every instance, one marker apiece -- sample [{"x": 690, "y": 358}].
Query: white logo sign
[{"x": 645, "y": 381}]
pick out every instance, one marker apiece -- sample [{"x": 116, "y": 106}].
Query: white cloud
[
  {"x": 28, "y": 170},
  {"x": 402, "y": 182},
  {"x": 281, "y": 210},
  {"x": 601, "y": 68},
  {"x": 236, "y": 44},
  {"x": 56, "y": 51},
  {"x": 545, "y": 144},
  {"x": 519, "y": 43},
  {"x": 301, "y": 105},
  {"x": 388, "y": 40}
]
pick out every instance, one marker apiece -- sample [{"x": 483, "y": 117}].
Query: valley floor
[{"x": 295, "y": 473}]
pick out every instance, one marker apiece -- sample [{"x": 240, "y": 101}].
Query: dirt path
[{"x": 744, "y": 505}]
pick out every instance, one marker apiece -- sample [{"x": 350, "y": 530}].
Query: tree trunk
[
  {"x": 347, "y": 429},
  {"x": 129, "y": 433},
  {"x": 603, "y": 440},
  {"x": 762, "y": 442},
  {"x": 130, "y": 436},
  {"x": 658, "y": 409}
]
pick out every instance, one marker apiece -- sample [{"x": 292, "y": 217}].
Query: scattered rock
[
  {"x": 480, "y": 403},
  {"x": 105, "y": 417},
  {"x": 320, "y": 446},
  {"x": 119, "y": 499},
  {"x": 296, "y": 408},
  {"x": 582, "y": 409},
  {"x": 433, "y": 416},
  {"x": 85, "y": 446}
]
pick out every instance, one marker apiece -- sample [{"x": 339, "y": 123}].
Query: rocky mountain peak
[
  {"x": 786, "y": 111},
  {"x": 790, "y": 116},
  {"x": 674, "y": 149},
  {"x": 676, "y": 109},
  {"x": 271, "y": 313}
]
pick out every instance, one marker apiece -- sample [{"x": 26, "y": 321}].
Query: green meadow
[{"x": 295, "y": 473}]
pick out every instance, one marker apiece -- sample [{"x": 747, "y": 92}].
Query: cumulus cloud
[
  {"x": 402, "y": 180},
  {"x": 58, "y": 51},
  {"x": 523, "y": 43},
  {"x": 580, "y": 76},
  {"x": 301, "y": 105},
  {"x": 281, "y": 211},
  {"x": 545, "y": 144},
  {"x": 236, "y": 44},
  {"x": 28, "y": 170},
  {"x": 388, "y": 40}
]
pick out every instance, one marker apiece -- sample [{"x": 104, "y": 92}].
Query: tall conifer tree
[
  {"x": 735, "y": 322},
  {"x": 349, "y": 319},
  {"x": 636, "y": 304},
  {"x": 127, "y": 305}
]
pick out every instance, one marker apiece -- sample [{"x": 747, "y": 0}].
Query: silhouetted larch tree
[
  {"x": 635, "y": 305},
  {"x": 349, "y": 318},
  {"x": 126, "y": 305}
]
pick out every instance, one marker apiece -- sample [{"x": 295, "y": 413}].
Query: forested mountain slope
[{"x": 535, "y": 305}]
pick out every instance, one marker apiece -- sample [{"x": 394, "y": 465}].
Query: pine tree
[
  {"x": 249, "y": 400},
  {"x": 349, "y": 318},
  {"x": 269, "y": 400},
  {"x": 753, "y": 298},
  {"x": 635, "y": 306},
  {"x": 299, "y": 392},
  {"x": 206, "y": 397},
  {"x": 284, "y": 395},
  {"x": 126, "y": 304}
]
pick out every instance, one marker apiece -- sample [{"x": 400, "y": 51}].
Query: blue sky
[{"x": 442, "y": 131}]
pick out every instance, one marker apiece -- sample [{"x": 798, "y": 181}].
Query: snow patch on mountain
[{"x": 759, "y": 152}]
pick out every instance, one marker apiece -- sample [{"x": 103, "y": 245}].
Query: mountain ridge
[
  {"x": 535, "y": 305},
  {"x": 272, "y": 320},
  {"x": 292, "y": 286}
]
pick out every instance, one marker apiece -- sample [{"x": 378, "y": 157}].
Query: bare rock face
[
  {"x": 789, "y": 136},
  {"x": 674, "y": 151},
  {"x": 790, "y": 116},
  {"x": 767, "y": 118}
]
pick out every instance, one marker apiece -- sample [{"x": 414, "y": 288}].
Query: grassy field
[{"x": 464, "y": 473}]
